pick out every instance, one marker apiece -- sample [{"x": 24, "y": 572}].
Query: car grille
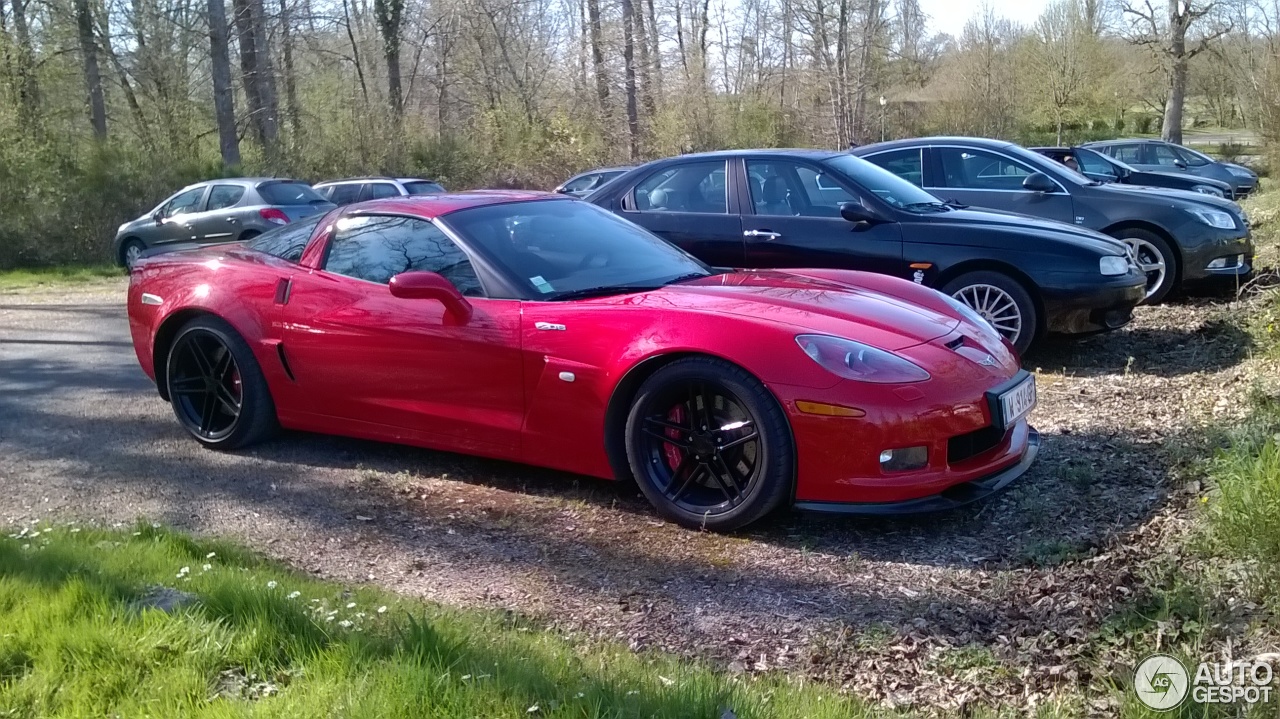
[{"x": 972, "y": 444}]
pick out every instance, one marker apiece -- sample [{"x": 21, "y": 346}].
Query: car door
[
  {"x": 794, "y": 221},
  {"x": 1165, "y": 158},
  {"x": 1095, "y": 166},
  {"x": 219, "y": 221},
  {"x": 173, "y": 220},
  {"x": 986, "y": 178},
  {"x": 405, "y": 368},
  {"x": 689, "y": 205}
]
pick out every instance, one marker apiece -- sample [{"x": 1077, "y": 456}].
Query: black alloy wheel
[
  {"x": 216, "y": 387},
  {"x": 708, "y": 445}
]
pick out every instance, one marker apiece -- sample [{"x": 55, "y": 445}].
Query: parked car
[
  {"x": 1161, "y": 156},
  {"x": 583, "y": 343},
  {"x": 816, "y": 208},
  {"x": 585, "y": 183},
  {"x": 359, "y": 189},
  {"x": 1105, "y": 168},
  {"x": 1178, "y": 237},
  {"x": 229, "y": 210}
]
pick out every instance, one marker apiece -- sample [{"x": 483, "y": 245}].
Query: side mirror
[
  {"x": 431, "y": 286},
  {"x": 856, "y": 213},
  {"x": 158, "y": 216},
  {"x": 1039, "y": 182},
  {"x": 1180, "y": 164}
]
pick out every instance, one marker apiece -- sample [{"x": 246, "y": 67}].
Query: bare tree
[
  {"x": 92, "y": 73},
  {"x": 389, "y": 15},
  {"x": 1165, "y": 35},
  {"x": 224, "y": 107},
  {"x": 629, "y": 75}
]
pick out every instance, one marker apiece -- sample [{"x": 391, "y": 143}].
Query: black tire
[
  {"x": 248, "y": 235},
  {"x": 1146, "y": 242},
  {"x": 978, "y": 290},
  {"x": 127, "y": 248},
  {"x": 754, "y": 469},
  {"x": 226, "y": 357}
]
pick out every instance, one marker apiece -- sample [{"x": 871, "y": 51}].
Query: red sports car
[{"x": 542, "y": 329}]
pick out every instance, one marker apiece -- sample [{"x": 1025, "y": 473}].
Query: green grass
[
  {"x": 260, "y": 640},
  {"x": 17, "y": 279}
]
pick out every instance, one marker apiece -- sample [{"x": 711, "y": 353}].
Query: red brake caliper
[{"x": 673, "y": 453}]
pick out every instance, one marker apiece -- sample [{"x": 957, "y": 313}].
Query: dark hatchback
[
  {"x": 1104, "y": 168},
  {"x": 814, "y": 208},
  {"x": 1178, "y": 237}
]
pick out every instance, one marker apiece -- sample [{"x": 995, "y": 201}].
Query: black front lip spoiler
[{"x": 951, "y": 498}]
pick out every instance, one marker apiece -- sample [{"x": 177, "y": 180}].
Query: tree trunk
[
  {"x": 597, "y": 57},
  {"x": 1171, "y": 129},
  {"x": 645, "y": 68},
  {"x": 629, "y": 75},
  {"x": 224, "y": 107},
  {"x": 389, "y": 14},
  {"x": 92, "y": 73},
  {"x": 28, "y": 86},
  {"x": 255, "y": 65},
  {"x": 655, "y": 47},
  {"x": 355, "y": 50},
  {"x": 292, "y": 108}
]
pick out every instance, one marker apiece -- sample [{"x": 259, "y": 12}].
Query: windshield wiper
[
  {"x": 940, "y": 206},
  {"x": 603, "y": 290},
  {"x": 686, "y": 278}
]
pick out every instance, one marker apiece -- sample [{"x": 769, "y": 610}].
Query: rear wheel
[
  {"x": 248, "y": 235},
  {"x": 1155, "y": 258},
  {"x": 709, "y": 446},
  {"x": 130, "y": 251},
  {"x": 1000, "y": 300},
  {"x": 216, "y": 387}
]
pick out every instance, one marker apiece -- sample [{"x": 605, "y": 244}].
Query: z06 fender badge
[{"x": 548, "y": 326}]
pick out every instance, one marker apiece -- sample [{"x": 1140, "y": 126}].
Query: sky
[{"x": 949, "y": 16}]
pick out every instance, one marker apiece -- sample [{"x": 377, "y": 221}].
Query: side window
[
  {"x": 789, "y": 188},
  {"x": 1166, "y": 156},
  {"x": 187, "y": 202},
  {"x": 974, "y": 169},
  {"x": 287, "y": 242},
  {"x": 903, "y": 163},
  {"x": 376, "y": 248},
  {"x": 1093, "y": 164},
  {"x": 344, "y": 194},
  {"x": 585, "y": 182},
  {"x": 379, "y": 190},
  {"x": 1131, "y": 154},
  {"x": 1191, "y": 159},
  {"x": 223, "y": 196},
  {"x": 693, "y": 187}
]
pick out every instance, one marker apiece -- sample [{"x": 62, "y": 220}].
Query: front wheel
[
  {"x": 1000, "y": 300},
  {"x": 1156, "y": 260},
  {"x": 130, "y": 251},
  {"x": 216, "y": 386},
  {"x": 709, "y": 446}
]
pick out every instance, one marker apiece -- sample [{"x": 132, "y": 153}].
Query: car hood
[
  {"x": 1164, "y": 194},
  {"x": 811, "y": 304},
  {"x": 1043, "y": 229},
  {"x": 1241, "y": 167},
  {"x": 1188, "y": 179}
]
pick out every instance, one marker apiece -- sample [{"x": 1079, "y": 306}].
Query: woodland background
[{"x": 107, "y": 106}]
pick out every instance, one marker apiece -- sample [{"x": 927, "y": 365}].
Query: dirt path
[{"x": 938, "y": 610}]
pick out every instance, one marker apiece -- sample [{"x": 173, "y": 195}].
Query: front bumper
[
  {"x": 1076, "y": 308},
  {"x": 952, "y": 497},
  {"x": 1196, "y": 258}
]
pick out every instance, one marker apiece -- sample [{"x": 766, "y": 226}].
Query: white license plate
[{"x": 1017, "y": 402}]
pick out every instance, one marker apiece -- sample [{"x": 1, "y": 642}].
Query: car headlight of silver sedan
[{"x": 1214, "y": 218}]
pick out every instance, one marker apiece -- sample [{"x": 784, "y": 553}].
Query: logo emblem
[
  {"x": 1161, "y": 682},
  {"x": 548, "y": 326},
  {"x": 987, "y": 361}
]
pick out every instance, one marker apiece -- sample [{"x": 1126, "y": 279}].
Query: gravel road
[{"x": 878, "y": 605}]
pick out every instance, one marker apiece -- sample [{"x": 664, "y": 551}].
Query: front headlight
[
  {"x": 1206, "y": 190},
  {"x": 1240, "y": 172},
  {"x": 1113, "y": 265},
  {"x": 1214, "y": 218},
  {"x": 856, "y": 361}
]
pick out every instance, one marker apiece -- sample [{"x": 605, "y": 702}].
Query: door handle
[
  {"x": 765, "y": 235},
  {"x": 232, "y": 220}
]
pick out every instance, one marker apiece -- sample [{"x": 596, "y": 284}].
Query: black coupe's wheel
[
  {"x": 1156, "y": 260},
  {"x": 1000, "y": 300},
  {"x": 130, "y": 251},
  {"x": 708, "y": 445},
  {"x": 216, "y": 387}
]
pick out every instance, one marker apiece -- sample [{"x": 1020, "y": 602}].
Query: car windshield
[
  {"x": 287, "y": 241},
  {"x": 289, "y": 193},
  {"x": 423, "y": 187},
  {"x": 883, "y": 184},
  {"x": 1194, "y": 158},
  {"x": 1094, "y": 155},
  {"x": 557, "y": 249}
]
